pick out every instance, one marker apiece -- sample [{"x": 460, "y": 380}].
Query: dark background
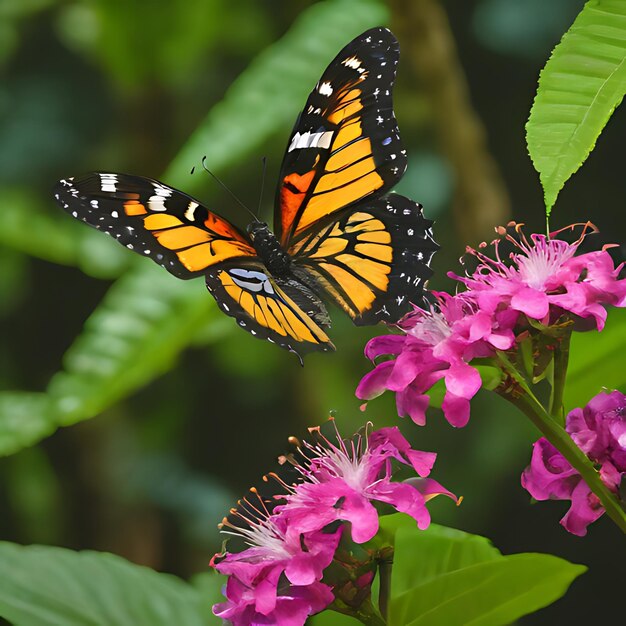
[{"x": 121, "y": 86}]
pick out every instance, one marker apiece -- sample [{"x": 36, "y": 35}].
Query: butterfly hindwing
[
  {"x": 345, "y": 145},
  {"x": 373, "y": 261},
  {"x": 155, "y": 220},
  {"x": 283, "y": 311}
]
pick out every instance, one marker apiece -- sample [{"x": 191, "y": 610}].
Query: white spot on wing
[
  {"x": 108, "y": 182},
  {"x": 157, "y": 203},
  {"x": 325, "y": 89},
  {"x": 189, "y": 213},
  {"x": 311, "y": 140},
  {"x": 353, "y": 62}
]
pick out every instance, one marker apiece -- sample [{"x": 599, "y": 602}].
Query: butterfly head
[{"x": 258, "y": 230}]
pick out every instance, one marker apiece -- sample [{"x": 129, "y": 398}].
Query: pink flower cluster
[
  {"x": 278, "y": 578},
  {"x": 437, "y": 344},
  {"x": 599, "y": 430},
  {"x": 543, "y": 282}
]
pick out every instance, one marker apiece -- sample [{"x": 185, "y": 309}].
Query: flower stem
[
  {"x": 384, "y": 577},
  {"x": 560, "y": 439},
  {"x": 561, "y": 359}
]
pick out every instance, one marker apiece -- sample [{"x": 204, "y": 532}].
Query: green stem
[
  {"x": 384, "y": 577},
  {"x": 561, "y": 359},
  {"x": 560, "y": 439}
]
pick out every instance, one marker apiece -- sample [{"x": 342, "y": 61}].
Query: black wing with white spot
[
  {"x": 345, "y": 146},
  {"x": 154, "y": 220}
]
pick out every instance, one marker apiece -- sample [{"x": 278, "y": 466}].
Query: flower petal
[{"x": 375, "y": 382}]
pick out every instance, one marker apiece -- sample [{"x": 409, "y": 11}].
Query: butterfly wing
[
  {"x": 155, "y": 220},
  {"x": 283, "y": 311},
  {"x": 188, "y": 240},
  {"x": 373, "y": 262},
  {"x": 345, "y": 145}
]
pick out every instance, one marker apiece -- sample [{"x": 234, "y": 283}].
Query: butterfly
[{"x": 338, "y": 234}]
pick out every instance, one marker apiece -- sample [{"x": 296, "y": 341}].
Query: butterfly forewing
[
  {"x": 155, "y": 220},
  {"x": 374, "y": 261},
  {"x": 345, "y": 145}
]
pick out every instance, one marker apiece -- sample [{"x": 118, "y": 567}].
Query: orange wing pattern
[
  {"x": 282, "y": 311},
  {"x": 345, "y": 146},
  {"x": 155, "y": 220},
  {"x": 372, "y": 262}
]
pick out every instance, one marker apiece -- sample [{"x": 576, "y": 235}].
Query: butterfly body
[
  {"x": 269, "y": 249},
  {"x": 338, "y": 234}
]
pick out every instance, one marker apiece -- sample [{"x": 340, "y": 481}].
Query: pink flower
[
  {"x": 544, "y": 279},
  {"x": 599, "y": 430},
  {"x": 293, "y": 537},
  {"x": 437, "y": 344},
  {"x": 292, "y": 607},
  {"x": 341, "y": 481},
  {"x": 277, "y": 579}
]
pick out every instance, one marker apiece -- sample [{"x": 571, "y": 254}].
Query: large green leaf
[
  {"x": 45, "y": 586},
  {"x": 446, "y": 577},
  {"x": 579, "y": 88},
  {"x": 486, "y": 594},
  {"x": 596, "y": 361},
  {"x": 428, "y": 554},
  {"x": 148, "y": 316}
]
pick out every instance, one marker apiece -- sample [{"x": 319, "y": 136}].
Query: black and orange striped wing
[
  {"x": 154, "y": 220},
  {"x": 282, "y": 311},
  {"x": 188, "y": 240},
  {"x": 373, "y": 261},
  {"x": 345, "y": 146}
]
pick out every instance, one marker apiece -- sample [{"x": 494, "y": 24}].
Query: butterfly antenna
[
  {"x": 206, "y": 169},
  {"x": 258, "y": 211}
]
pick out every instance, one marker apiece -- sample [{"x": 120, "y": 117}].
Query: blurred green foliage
[{"x": 191, "y": 411}]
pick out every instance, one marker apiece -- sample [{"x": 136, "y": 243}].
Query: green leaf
[
  {"x": 579, "y": 88},
  {"x": 425, "y": 555},
  {"x": 497, "y": 591},
  {"x": 209, "y": 584},
  {"x": 596, "y": 361},
  {"x": 25, "y": 418},
  {"x": 442, "y": 576},
  {"x": 45, "y": 586}
]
